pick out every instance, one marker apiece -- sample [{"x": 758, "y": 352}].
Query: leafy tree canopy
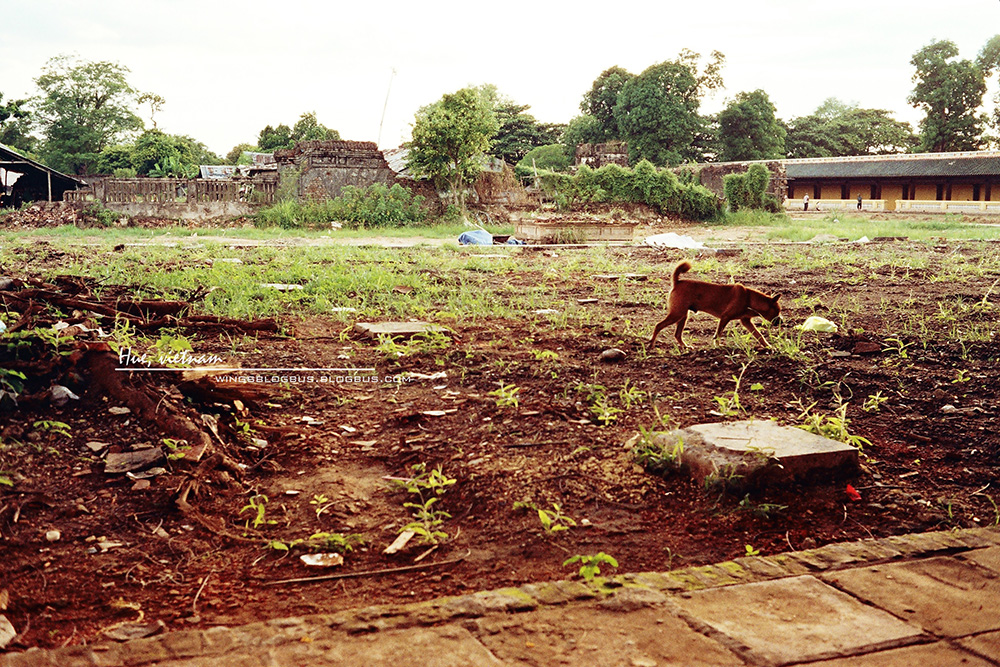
[
  {"x": 838, "y": 128},
  {"x": 950, "y": 91},
  {"x": 450, "y": 140},
  {"x": 749, "y": 130},
  {"x": 584, "y": 129},
  {"x": 84, "y": 106},
  {"x": 15, "y": 129},
  {"x": 599, "y": 102},
  {"x": 307, "y": 128},
  {"x": 152, "y": 152}
]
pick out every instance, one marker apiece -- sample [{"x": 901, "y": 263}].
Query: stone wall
[
  {"x": 323, "y": 168},
  {"x": 711, "y": 175},
  {"x": 596, "y": 156}
]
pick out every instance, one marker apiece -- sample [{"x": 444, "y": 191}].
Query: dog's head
[{"x": 768, "y": 308}]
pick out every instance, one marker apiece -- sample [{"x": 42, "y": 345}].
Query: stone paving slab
[
  {"x": 939, "y": 654},
  {"x": 623, "y": 633},
  {"x": 986, "y": 645},
  {"x": 816, "y": 621},
  {"x": 950, "y": 597}
]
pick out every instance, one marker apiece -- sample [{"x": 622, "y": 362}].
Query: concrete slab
[
  {"x": 757, "y": 452},
  {"x": 988, "y": 558},
  {"x": 938, "y": 655},
  {"x": 595, "y": 635},
  {"x": 986, "y": 645},
  {"x": 947, "y": 596},
  {"x": 376, "y": 329},
  {"x": 796, "y": 620},
  {"x": 449, "y": 646}
]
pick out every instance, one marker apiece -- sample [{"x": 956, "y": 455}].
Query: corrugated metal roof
[{"x": 898, "y": 166}]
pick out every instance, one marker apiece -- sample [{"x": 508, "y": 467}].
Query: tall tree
[
  {"x": 84, "y": 106},
  {"x": 657, "y": 111},
  {"x": 749, "y": 130},
  {"x": 306, "y": 128},
  {"x": 450, "y": 140},
  {"x": 519, "y": 132},
  {"x": 602, "y": 97},
  {"x": 949, "y": 92},
  {"x": 15, "y": 128},
  {"x": 584, "y": 129},
  {"x": 837, "y": 128}
]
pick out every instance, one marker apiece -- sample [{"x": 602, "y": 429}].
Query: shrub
[
  {"x": 617, "y": 182},
  {"x": 734, "y": 186},
  {"x": 552, "y": 157},
  {"x": 373, "y": 206}
]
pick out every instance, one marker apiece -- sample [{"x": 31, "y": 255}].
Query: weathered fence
[{"x": 175, "y": 191}]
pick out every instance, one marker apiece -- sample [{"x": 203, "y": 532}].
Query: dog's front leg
[{"x": 749, "y": 325}]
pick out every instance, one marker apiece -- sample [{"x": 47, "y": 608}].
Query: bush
[
  {"x": 734, "y": 187},
  {"x": 645, "y": 185},
  {"x": 551, "y": 157},
  {"x": 373, "y": 206}
]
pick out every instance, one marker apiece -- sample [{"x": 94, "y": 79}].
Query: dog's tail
[{"x": 683, "y": 267}]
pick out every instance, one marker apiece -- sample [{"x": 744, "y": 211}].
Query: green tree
[
  {"x": 274, "y": 138},
  {"x": 84, "y": 106},
  {"x": 836, "y": 129},
  {"x": 15, "y": 125},
  {"x": 949, "y": 91},
  {"x": 749, "y": 130},
  {"x": 657, "y": 111},
  {"x": 519, "y": 132},
  {"x": 600, "y": 101},
  {"x": 236, "y": 154},
  {"x": 450, "y": 140},
  {"x": 581, "y": 130}
]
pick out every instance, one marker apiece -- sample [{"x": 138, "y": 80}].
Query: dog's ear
[{"x": 775, "y": 298}]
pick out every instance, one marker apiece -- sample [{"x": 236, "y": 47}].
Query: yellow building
[{"x": 929, "y": 182}]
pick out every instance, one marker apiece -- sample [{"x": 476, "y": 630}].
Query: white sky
[{"x": 228, "y": 68}]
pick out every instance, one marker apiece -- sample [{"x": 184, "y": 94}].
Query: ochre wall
[{"x": 961, "y": 193}]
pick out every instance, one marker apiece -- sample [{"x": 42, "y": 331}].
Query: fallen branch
[{"x": 367, "y": 573}]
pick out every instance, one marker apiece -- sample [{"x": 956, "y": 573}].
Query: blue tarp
[{"x": 476, "y": 237}]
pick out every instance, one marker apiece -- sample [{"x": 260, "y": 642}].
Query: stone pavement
[{"x": 923, "y": 599}]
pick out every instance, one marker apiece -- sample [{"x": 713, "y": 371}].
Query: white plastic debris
[
  {"x": 672, "y": 240},
  {"x": 817, "y": 323},
  {"x": 322, "y": 560}
]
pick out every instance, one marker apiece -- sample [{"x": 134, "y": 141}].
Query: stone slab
[
  {"x": 947, "y": 596},
  {"x": 939, "y": 654},
  {"x": 376, "y": 329},
  {"x": 986, "y": 645},
  {"x": 627, "y": 633},
  {"x": 796, "y": 619},
  {"x": 988, "y": 558},
  {"x": 757, "y": 452}
]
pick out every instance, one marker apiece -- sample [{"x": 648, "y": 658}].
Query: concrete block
[{"x": 749, "y": 454}]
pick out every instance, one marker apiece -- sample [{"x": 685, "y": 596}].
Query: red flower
[{"x": 852, "y": 493}]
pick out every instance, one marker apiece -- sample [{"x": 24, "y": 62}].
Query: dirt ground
[{"x": 308, "y": 457}]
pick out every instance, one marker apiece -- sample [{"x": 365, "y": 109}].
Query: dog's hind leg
[{"x": 666, "y": 322}]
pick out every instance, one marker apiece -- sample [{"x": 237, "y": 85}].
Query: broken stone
[
  {"x": 322, "y": 560},
  {"x": 53, "y": 536},
  {"x": 141, "y": 485},
  {"x": 400, "y": 542},
  {"x": 750, "y": 454},
  {"x": 122, "y": 462},
  {"x": 62, "y": 395},
  {"x": 865, "y": 347},
  {"x": 147, "y": 474},
  {"x": 130, "y": 631},
  {"x": 97, "y": 446},
  {"x": 7, "y": 632},
  {"x": 116, "y": 410},
  {"x": 612, "y": 356}
]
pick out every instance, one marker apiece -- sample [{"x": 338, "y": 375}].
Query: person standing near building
[
  {"x": 805, "y": 202},
  {"x": 859, "y": 202}
]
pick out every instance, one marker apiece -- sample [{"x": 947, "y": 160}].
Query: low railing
[
  {"x": 175, "y": 191},
  {"x": 836, "y": 205},
  {"x": 947, "y": 206}
]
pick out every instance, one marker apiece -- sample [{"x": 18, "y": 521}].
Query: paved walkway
[{"x": 924, "y": 599}]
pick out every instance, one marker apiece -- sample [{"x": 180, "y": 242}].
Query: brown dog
[{"x": 727, "y": 302}]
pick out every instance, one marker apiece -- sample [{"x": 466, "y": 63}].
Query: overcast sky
[{"x": 228, "y": 68}]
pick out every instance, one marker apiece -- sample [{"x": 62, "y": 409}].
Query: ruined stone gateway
[{"x": 324, "y": 168}]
